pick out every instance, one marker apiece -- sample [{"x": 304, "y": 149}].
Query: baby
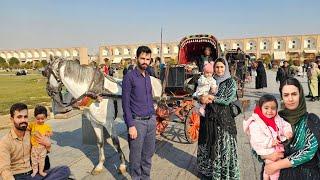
[
  {"x": 206, "y": 85},
  {"x": 267, "y": 130},
  {"x": 38, "y": 151}
]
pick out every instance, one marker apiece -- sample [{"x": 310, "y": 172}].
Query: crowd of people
[
  {"x": 286, "y": 141},
  {"x": 312, "y": 69}
]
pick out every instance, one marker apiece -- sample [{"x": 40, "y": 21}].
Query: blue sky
[{"x": 91, "y": 23}]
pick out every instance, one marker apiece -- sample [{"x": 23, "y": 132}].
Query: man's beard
[
  {"x": 142, "y": 67},
  {"x": 21, "y": 126}
]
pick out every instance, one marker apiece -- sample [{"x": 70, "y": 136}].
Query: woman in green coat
[
  {"x": 301, "y": 160},
  {"x": 217, "y": 156}
]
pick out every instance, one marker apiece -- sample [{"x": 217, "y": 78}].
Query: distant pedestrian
[
  {"x": 284, "y": 72},
  {"x": 105, "y": 68},
  {"x": 313, "y": 78},
  {"x": 261, "y": 78}
]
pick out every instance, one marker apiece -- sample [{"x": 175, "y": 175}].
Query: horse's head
[
  {"x": 54, "y": 83},
  {"x": 52, "y": 68}
]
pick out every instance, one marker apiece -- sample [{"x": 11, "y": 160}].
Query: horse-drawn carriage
[
  {"x": 83, "y": 81},
  {"x": 180, "y": 83}
]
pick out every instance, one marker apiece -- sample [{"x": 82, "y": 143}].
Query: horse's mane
[{"x": 78, "y": 73}]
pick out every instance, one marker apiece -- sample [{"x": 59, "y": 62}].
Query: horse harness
[{"x": 52, "y": 91}]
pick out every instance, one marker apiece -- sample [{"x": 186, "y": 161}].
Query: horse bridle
[{"x": 53, "y": 91}]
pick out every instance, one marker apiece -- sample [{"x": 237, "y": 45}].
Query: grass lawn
[{"x": 29, "y": 89}]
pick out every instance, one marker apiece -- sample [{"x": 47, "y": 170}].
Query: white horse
[{"x": 80, "y": 80}]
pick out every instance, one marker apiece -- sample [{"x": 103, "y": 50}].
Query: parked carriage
[{"x": 180, "y": 83}]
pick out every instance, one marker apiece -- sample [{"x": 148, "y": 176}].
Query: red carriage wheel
[{"x": 192, "y": 125}]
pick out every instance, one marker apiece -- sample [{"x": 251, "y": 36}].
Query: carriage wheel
[
  {"x": 192, "y": 125},
  {"x": 161, "y": 125}
]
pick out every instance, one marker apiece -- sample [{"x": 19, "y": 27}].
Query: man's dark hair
[
  {"x": 143, "y": 49},
  {"x": 158, "y": 59},
  {"x": 17, "y": 107},
  {"x": 40, "y": 110},
  {"x": 267, "y": 98}
]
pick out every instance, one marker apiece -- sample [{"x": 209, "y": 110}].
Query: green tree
[
  {"x": 171, "y": 61},
  {"x": 44, "y": 63},
  {"x": 27, "y": 65},
  {"x": 267, "y": 59},
  {"x": 14, "y": 62},
  {"x": 3, "y": 63},
  {"x": 37, "y": 65},
  {"x": 2, "y": 60}
]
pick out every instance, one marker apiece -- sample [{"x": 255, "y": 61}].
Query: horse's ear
[{"x": 51, "y": 58}]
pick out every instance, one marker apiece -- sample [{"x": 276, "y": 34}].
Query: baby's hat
[{"x": 208, "y": 67}]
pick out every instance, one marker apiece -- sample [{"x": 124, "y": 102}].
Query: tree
[
  {"x": 3, "y": 63},
  {"x": 171, "y": 61},
  {"x": 44, "y": 63},
  {"x": 14, "y": 62},
  {"x": 37, "y": 65},
  {"x": 27, "y": 65},
  {"x": 267, "y": 59},
  {"x": 2, "y": 60}
]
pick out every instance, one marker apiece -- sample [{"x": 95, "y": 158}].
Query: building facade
[
  {"x": 32, "y": 55},
  {"x": 293, "y": 47},
  {"x": 117, "y": 53}
]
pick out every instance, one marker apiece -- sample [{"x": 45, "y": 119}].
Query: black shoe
[{"x": 308, "y": 96}]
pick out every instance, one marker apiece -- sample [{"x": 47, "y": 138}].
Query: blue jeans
[
  {"x": 142, "y": 149},
  {"x": 57, "y": 173}
]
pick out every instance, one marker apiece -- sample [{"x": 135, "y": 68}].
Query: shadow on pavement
[{"x": 74, "y": 139}]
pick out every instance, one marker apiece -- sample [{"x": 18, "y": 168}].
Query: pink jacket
[{"x": 261, "y": 136}]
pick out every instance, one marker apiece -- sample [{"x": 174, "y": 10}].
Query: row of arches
[
  {"x": 294, "y": 43},
  {"x": 39, "y": 54},
  {"x": 131, "y": 51}
]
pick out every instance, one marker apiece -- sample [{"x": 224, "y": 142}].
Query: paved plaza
[{"x": 174, "y": 157}]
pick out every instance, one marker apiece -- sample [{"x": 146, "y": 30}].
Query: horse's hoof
[
  {"x": 96, "y": 171},
  {"x": 122, "y": 168}
]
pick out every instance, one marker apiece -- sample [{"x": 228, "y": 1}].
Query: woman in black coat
[{"x": 261, "y": 78}]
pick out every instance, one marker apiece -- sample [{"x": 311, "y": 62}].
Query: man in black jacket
[{"x": 284, "y": 72}]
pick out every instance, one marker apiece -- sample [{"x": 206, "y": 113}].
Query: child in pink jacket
[{"x": 267, "y": 130}]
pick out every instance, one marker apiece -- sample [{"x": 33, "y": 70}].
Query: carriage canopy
[{"x": 192, "y": 47}]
